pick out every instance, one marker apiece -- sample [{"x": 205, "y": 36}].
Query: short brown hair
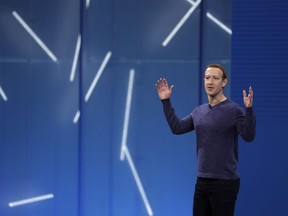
[{"x": 220, "y": 67}]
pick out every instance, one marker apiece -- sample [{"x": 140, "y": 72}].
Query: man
[{"x": 217, "y": 126}]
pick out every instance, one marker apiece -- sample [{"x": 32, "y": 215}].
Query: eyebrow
[{"x": 214, "y": 76}]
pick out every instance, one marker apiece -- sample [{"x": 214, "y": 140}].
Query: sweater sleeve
[
  {"x": 177, "y": 125},
  {"x": 246, "y": 124}
]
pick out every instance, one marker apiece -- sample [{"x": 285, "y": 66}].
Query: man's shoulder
[
  {"x": 234, "y": 107},
  {"x": 201, "y": 108},
  {"x": 231, "y": 103}
]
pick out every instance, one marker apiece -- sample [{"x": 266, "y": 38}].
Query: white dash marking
[
  {"x": 76, "y": 117},
  {"x": 219, "y": 23},
  {"x": 138, "y": 182},
  {"x": 75, "y": 60},
  {"x": 87, "y": 3},
  {"x": 181, "y": 23},
  {"x": 98, "y": 75},
  {"x": 34, "y": 36},
  {"x": 2, "y": 93},
  {"x": 30, "y": 200},
  {"x": 127, "y": 113}
]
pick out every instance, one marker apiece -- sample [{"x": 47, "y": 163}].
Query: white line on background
[
  {"x": 138, "y": 182},
  {"x": 219, "y": 23},
  {"x": 181, "y": 23},
  {"x": 87, "y": 3},
  {"x": 76, "y": 117},
  {"x": 2, "y": 93},
  {"x": 98, "y": 75},
  {"x": 127, "y": 113},
  {"x": 75, "y": 59},
  {"x": 34, "y": 36},
  {"x": 31, "y": 200}
]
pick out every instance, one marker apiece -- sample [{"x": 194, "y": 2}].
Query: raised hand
[
  {"x": 248, "y": 99},
  {"x": 163, "y": 89}
]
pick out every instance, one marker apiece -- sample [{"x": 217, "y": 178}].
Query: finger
[
  {"x": 160, "y": 83},
  {"x": 165, "y": 81},
  {"x": 244, "y": 94},
  {"x": 251, "y": 95},
  {"x": 251, "y": 91},
  {"x": 156, "y": 86},
  {"x": 171, "y": 88}
]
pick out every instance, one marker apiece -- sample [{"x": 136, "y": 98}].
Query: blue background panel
[{"x": 259, "y": 57}]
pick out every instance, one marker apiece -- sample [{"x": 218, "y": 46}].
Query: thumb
[{"x": 171, "y": 88}]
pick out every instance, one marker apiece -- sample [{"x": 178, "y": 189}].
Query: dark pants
[{"x": 215, "y": 197}]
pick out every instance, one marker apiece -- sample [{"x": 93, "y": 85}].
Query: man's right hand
[{"x": 162, "y": 87}]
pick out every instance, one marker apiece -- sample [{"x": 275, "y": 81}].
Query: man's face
[{"x": 213, "y": 81}]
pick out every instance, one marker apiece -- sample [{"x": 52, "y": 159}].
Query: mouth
[{"x": 210, "y": 87}]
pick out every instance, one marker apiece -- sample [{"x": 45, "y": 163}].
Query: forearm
[
  {"x": 177, "y": 125},
  {"x": 250, "y": 120},
  {"x": 247, "y": 126}
]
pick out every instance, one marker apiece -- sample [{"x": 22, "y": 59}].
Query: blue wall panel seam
[{"x": 79, "y": 192}]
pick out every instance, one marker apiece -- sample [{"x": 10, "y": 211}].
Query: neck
[{"x": 214, "y": 100}]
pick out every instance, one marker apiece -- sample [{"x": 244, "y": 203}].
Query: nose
[{"x": 209, "y": 81}]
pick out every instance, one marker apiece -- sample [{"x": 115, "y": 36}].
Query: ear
[{"x": 224, "y": 83}]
